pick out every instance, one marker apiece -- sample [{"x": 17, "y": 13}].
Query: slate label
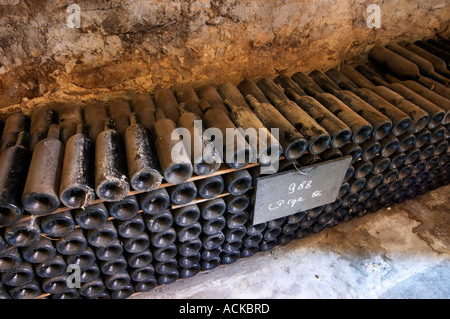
[{"x": 287, "y": 193}]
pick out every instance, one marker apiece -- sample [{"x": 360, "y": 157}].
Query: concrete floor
[{"x": 399, "y": 252}]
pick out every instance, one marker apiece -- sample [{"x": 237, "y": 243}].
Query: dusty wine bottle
[
  {"x": 154, "y": 201},
  {"x": 163, "y": 238},
  {"x": 95, "y": 115},
  {"x": 236, "y": 151},
  {"x": 317, "y": 137},
  {"x": 10, "y": 259},
  {"x": 130, "y": 228},
  {"x": 423, "y": 153},
  {"x": 405, "y": 170},
  {"x": 175, "y": 165},
  {"x": 423, "y": 137},
  {"x": 136, "y": 244},
  {"x": 210, "y": 94},
  {"x": 238, "y": 182},
  {"x": 142, "y": 274},
  {"x": 189, "y": 247},
  {"x": 186, "y": 215},
  {"x": 117, "y": 281},
  {"x": 70, "y": 115},
  {"x": 92, "y": 216},
  {"x": 124, "y": 209},
  {"x": 188, "y": 233},
  {"x": 158, "y": 221},
  {"x": 210, "y": 187},
  {"x": 330, "y": 154},
  {"x": 438, "y": 64},
  {"x": 362, "y": 168},
  {"x": 436, "y": 114},
  {"x": 120, "y": 111},
  {"x": 407, "y": 140},
  {"x": 73, "y": 243},
  {"x": 14, "y": 124},
  {"x": 361, "y": 129},
  {"x": 356, "y": 77},
  {"x": 371, "y": 147},
  {"x": 205, "y": 157},
  {"x": 356, "y": 185},
  {"x": 394, "y": 62},
  {"x": 352, "y": 149},
  {"x": 51, "y": 268},
  {"x": 419, "y": 118},
  {"x": 397, "y": 160},
  {"x": 143, "y": 105},
  {"x": 20, "y": 276},
  {"x": 41, "y": 118},
  {"x": 55, "y": 285},
  {"x": 186, "y": 94},
  {"x": 380, "y": 164},
  {"x": 111, "y": 183},
  {"x": 182, "y": 193},
  {"x": 371, "y": 75},
  {"x": 292, "y": 142},
  {"x": 339, "y": 78},
  {"x": 143, "y": 169},
  {"x": 433, "y": 97},
  {"x": 93, "y": 289},
  {"x": 14, "y": 163},
  {"x": 414, "y": 153},
  {"x": 165, "y": 253},
  {"x": 40, "y": 252},
  {"x": 245, "y": 119},
  {"x": 389, "y": 145},
  {"x": 77, "y": 182},
  {"x": 40, "y": 194},
  {"x": 400, "y": 120},
  {"x": 23, "y": 234},
  {"x": 166, "y": 100},
  {"x": 213, "y": 241},
  {"x": 83, "y": 259},
  {"x": 212, "y": 226},
  {"x": 113, "y": 251},
  {"x": 58, "y": 225},
  {"x": 112, "y": 267},
  {"x": 434, "y": 50},
  {"x": 236, "y": 204},
  {"x": 213, "y": 208},
  {"x": 425, "y": 67},
  {"x": 291, "y": 139},
  {"x": 339, "y": 132},
  {"x": 102, "y": 236}
]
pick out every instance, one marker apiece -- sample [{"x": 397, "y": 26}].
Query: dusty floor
[{"x": 399, "y": 252}]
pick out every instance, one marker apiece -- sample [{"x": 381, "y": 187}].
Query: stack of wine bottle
[{"x": 99, "y": 187}]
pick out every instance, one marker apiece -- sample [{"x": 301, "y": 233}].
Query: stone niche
[{"x": 58, "y": 50}]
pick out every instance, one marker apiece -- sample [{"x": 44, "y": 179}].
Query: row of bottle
[
  {"x": 167, "y": 250},
  {"x": 242, "y": 240},
  {"x": 312, "y": 113}
]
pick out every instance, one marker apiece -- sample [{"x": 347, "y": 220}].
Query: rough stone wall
[{"x": 125, "y": 46}]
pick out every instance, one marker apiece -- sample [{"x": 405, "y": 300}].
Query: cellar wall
[{"x": 124, "y": 46}]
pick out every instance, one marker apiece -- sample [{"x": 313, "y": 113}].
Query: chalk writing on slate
[{"x": 304, "y": 188}]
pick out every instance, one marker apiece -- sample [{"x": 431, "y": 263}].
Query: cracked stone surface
[
  {"x": 126, "y": 46},
  {"x": 398, "y": 252}
]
